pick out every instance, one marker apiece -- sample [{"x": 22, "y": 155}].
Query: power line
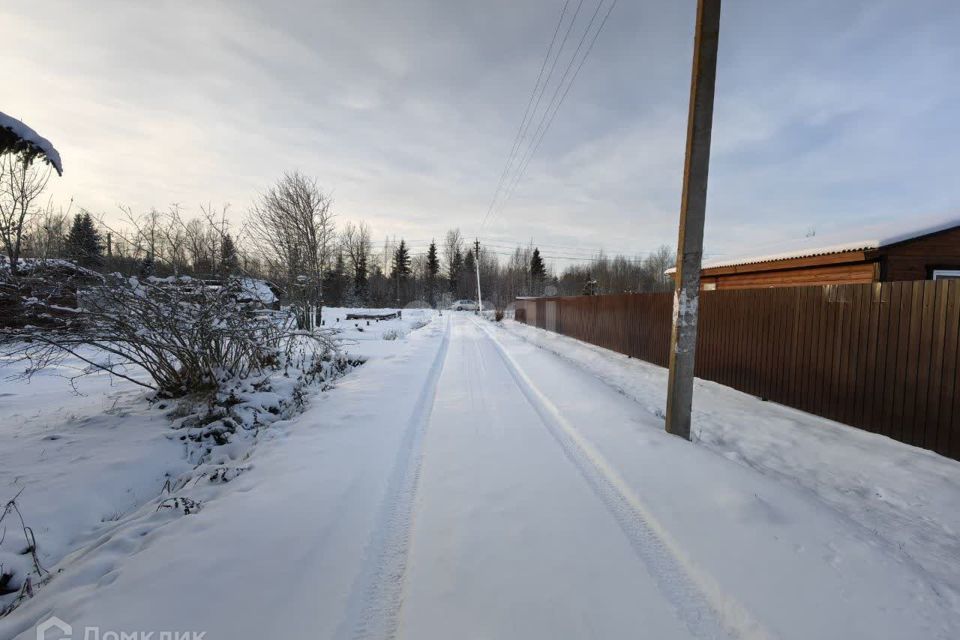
[
  {"x": 578, "y": 248},
  {"x": 585, "y": 252},
  {"x": 535, "y": 144},
  {"x": 523, "y": 123},
  {"x": 548, "y": 256}
]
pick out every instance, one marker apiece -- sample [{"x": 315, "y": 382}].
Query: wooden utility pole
[
  {"x": 476, "y": 260},
  {"x": 686, "y": 299}
]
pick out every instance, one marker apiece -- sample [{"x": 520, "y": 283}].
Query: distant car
[{"x": 464, "y": 305}]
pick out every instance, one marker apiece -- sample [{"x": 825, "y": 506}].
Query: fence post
[{"x": 683, "y": 340}]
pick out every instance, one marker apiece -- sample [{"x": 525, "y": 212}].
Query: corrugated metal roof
[{"x": 873, "y": 237}]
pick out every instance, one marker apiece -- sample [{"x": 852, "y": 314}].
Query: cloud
[{"x": 827, "y": 114}]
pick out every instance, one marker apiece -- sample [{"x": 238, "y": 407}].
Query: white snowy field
[
  {"x": 78, "y": 456},
  {"x": 476, "y": 480},
  {"x": 83, "y": 454}
]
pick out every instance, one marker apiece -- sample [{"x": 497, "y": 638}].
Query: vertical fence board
[
  {"x": 852, "y": 353},
  {"x": 813, "y": 346},
  {"x": 914, "y": 361},
  {"x": 925, "y": 360},
  {"x": 884, "y": 357},
  {"x": 861, "y": 366},
  {"x": 903, "y": 360},
  {"x": 891, "y": 341},
  {"x": 949, "y": 418}
]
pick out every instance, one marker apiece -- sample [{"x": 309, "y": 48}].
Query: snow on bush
[
  {"x": 188, "y": 335},
  {"x": 222, "y": 368},
  {"x": 219, "y": 431}
]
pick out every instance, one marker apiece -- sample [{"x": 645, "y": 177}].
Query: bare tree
[
  {"x": 292, "y": 224},
  {"x": 45, "y": 233},
  {"x": 21, "y": 184},
  {"x": 653, "y": 270},
  {"x": 453, "y": 254}
]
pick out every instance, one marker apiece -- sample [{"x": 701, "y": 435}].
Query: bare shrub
[
  {"x": 392, "y": 334},
  {"x": 189, "y": 336}
]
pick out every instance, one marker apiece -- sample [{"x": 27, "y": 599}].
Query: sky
[{"x": 829, "y": 115}]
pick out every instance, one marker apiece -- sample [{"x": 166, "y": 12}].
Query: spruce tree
[
  {"x": 360, "y": 278},
  {"x": 401, "y": 270},
  {"x": 229, "y": 261},
  {"x": 468, "y": 277},
  {"x": 433, "y": 260},
  {"x": 590, "y": 286},
  {"x": 433, "y": 268},
  {"x": 456, "y": 266},
  {"x": 335, "y": 283},
  {"x": 146, "y": 267},
  {"x": 83, "y": 241},
  {"x": 401, "y": 261},
  {"x": 538, "y": 271}
]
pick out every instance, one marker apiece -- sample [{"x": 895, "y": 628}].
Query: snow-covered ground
[
  {"x": 373, "y": 338},
  {"x": 78, "y": 456},
  {"x": 84, "y": 454},
  {"x": 481, "y": 480},
  {"x": 908, "y": 498}
]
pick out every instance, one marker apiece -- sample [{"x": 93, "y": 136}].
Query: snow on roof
[
  {"x": 258, "y": 290},
  {"x": 38, "y": 265},
  {"x": 870, "y": 237},
  {"x": 33, "y": 140}
]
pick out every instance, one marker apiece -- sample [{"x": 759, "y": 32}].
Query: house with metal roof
[{"x": 909, "y": 250}]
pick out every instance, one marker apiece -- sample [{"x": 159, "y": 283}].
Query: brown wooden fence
[{"x": 881, "y": 357}]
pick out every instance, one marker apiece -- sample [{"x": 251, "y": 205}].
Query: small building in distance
[{"x": 909, "y": 251}]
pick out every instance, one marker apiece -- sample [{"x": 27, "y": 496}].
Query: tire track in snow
[
  {"x": 373, "y": 608},
  {"x": 891, "y": 546},
  {"x": 698, "y": 600}
]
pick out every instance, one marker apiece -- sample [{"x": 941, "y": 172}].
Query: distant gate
[{"x": 882, "y": 357}]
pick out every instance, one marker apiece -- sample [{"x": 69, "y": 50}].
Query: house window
[{"x": 946, "y": 274}]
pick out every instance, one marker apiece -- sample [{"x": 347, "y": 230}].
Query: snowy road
[
  {"x": 544, "y": 504},
  {"x": 513, "y": 520},
  {"x": 469, "y": 484}
]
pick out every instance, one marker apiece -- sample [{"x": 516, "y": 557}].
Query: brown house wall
[
  {"x": 916, "y": 259},
  {"x": 836, "y": 274},
  {"x": 909, "y": 260}
]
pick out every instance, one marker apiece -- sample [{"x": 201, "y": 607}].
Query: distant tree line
[{"x": 290, "y": 237}]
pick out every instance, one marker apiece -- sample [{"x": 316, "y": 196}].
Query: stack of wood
[{"x": 42, "y": 292}]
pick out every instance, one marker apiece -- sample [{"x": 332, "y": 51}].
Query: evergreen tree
[
  {"x": 83, "y": 241},
  {"x": 229, "y": 260},
  {"x": 456, "y": 267},
  {"x": 433, "y": 268},
  {"x": 433, "y": 260},
  {"x": 146, "y": 267},
  {"x": 468, "y": 277},
  {"x": 401, "y": 261},
  {"x": 401, "y": 270},
  {"x": 538, "y": 271},
  {"x": 360, "y": 278},
  {"x": 590, "y": 286},
  {"x": 335, "y": 283}
]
